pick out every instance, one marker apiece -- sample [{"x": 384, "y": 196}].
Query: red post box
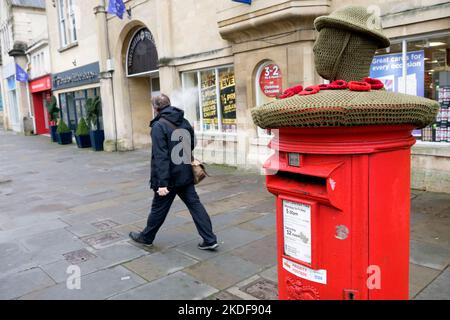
[
  {"x": 342, "y": 200},
  {"x": 341, "y": 172}
]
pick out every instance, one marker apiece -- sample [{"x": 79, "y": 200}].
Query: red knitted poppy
[
  {"x": 286, "y": 95},
  {"x": 358, "y": 86},
  {"x": 338, "y": 84},
  {"x": 295, "y": 89},
  {"x": 289, "y": 92},
  {"x": 310, "y": 90},
  {"x": 324, "y": 86},
  {"x": 375, "y": 84}
]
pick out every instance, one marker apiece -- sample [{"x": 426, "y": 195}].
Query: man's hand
[{"x": 163, "y": 191}]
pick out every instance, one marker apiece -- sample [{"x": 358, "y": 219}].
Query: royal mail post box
[{"x": 342, "y": 206}]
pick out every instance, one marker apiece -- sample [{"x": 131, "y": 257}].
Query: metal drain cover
[
  {"x": 262, "y": 289},
  {"x": 78, "y": 256},
  {"x": 105, "y": 224}
]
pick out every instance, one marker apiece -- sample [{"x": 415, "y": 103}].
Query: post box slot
[{"x": 303, "y": 178}]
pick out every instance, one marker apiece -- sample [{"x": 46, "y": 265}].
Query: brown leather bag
[
  {"x": 198, "y": 168},
  {"x": 199, "y": 171}
]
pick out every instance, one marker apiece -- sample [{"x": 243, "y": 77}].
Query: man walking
[{"x": 171, "y": 174}]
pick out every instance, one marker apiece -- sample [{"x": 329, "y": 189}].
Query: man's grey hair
[{"x": 160, "y": 102}]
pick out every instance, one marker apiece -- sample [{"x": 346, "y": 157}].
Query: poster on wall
[
  {"x": 228, "y": 101},
  {"x": 209, "y": 101},
  {"x": 389, "y": 69},
  {"x": 270, "y": 80}
]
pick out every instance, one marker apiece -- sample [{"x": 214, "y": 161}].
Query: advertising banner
[
  {"x": 228, "y": 101},
  {"x": 209, "y": 101},
  {"x": 270, "y": 80},
  {"x": 389, "y": 69}
]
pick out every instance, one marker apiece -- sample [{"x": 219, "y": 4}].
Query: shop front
[
  {"x": 40, "y": 90},
  {"x": 72, "y": 89}
]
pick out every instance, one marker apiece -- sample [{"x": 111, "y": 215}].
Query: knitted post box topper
[{"x": 343, "y": 52}]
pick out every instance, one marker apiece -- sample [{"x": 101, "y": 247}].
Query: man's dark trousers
[{"x": 161, "y": 206}]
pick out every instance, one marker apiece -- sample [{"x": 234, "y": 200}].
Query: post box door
[{"x": 315, "y": 239}]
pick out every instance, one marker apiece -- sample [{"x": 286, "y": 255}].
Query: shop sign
[
  {"x": 142, "y": 56},
  {"x": 80, "y": 76},
  {"x": 270, "y": 80},
  {"x": 41, "y": 84},
  {"x": 389, "y": 69}
]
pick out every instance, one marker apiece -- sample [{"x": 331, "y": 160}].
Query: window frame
[
  {"x": 72, "y": 21},
  {"x": 67, "y": 23},
  {"x": 218, "y": 102}
]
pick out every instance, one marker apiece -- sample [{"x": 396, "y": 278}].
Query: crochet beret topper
[{"x": 343, "y": 52}]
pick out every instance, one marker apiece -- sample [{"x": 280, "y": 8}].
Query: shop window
[
  {"x": 227, "y": 89},
  {"x": 209, "y": 99},
  {"x": 73, "y": 106},
  {"x": 427, "y": 75},
  {"x": 268, "y": 84}
]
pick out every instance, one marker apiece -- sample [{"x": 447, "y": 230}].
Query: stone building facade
[
  {"x": 23, "y": 23},
  {"x": 217, "y": 59}
]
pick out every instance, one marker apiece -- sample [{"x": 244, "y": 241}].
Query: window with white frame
[
  {"x": 67, "y": 22},
  {"x": 209, "y": 98},
  {"x": 6, "y": 37},
  {"x": 38, "y": 67}
]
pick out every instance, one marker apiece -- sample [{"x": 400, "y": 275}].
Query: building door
[{"x": 40, "y": 112}]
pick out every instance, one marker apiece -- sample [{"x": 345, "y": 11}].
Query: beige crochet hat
[
  {"x": 347, "y": 41},
  {"x": 355, "y": 19}
]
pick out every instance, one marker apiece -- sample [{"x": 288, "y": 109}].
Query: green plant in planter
[
  {"x": 64, "y": 133},
  {"x": 93, "y": 111},
  {"x": 63, "y": 128},
  {"x": 82, "y": 128},
  {"x": 53, "y": 110},
  {"x": 82, "y": 135}
]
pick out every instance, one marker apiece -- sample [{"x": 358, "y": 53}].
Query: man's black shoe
[
  {"x": 137, "y": 236},
  {"x": 208, "y": 246}
]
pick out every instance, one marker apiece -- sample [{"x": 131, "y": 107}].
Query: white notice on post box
[{"x": 297, "y": 230}]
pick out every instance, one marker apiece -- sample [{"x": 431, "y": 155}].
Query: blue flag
[
  {"x": 116, "y": 7},
  {"x": 244, "y": 1},
  {"x": 21, "y": 74}
]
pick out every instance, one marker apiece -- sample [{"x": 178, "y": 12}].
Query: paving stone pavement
[{"x": 62, "y": 206}]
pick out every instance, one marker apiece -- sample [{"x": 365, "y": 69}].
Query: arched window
[{"x": 142, "y": 56}]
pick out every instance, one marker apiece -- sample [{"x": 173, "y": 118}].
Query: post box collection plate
[{"x": 297, "y": 230}]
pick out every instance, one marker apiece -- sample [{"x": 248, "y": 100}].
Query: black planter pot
[
  {"x": 83, "y": 141},
  {"x": 53, "y": 133},
  {"x": 65, "y": 138},
  {"x": 97, "y": 138}
]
